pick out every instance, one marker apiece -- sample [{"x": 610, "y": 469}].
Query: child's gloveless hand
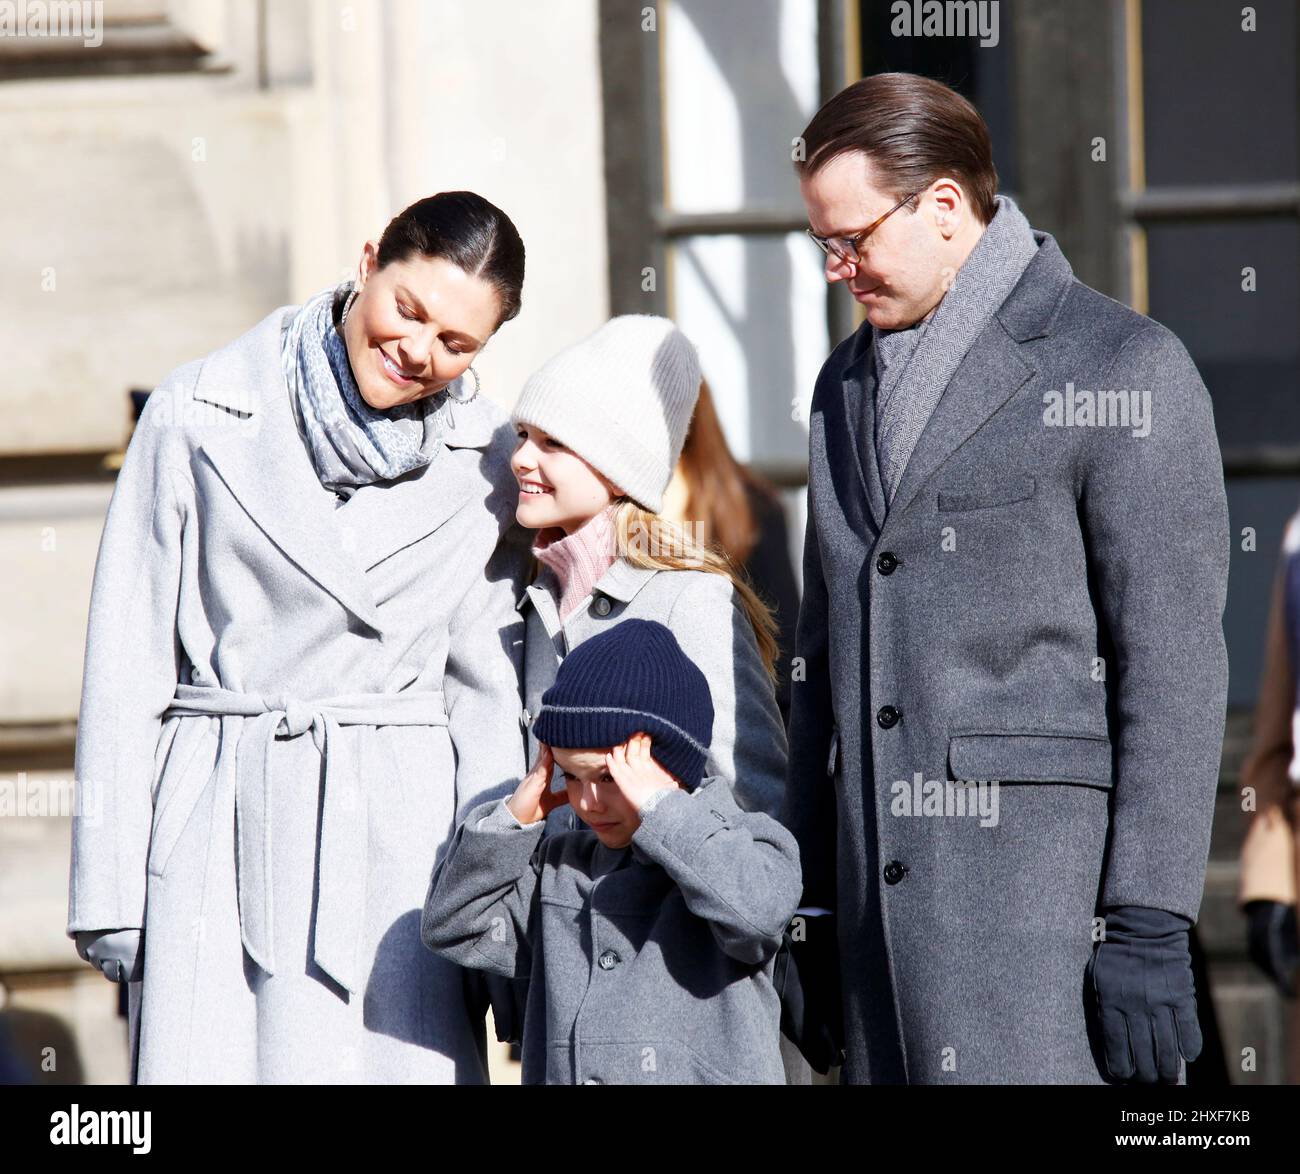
[
  {"x": 635, "y": 772},
  {"x": 533, "y": 798}
]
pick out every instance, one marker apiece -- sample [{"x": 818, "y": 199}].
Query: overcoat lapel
[
  {"x": 994, "y": 368},
  {"x": 866, "y": 433},
  {"x": 989, "y": 375},
  {"x": 848, "y": 443}
]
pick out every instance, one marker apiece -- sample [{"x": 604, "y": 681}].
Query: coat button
[
  {"x": 894, "y": 872},
  {"x": 601, "y": 606},
  {"x": 608, "y": 960},
  {"x": 887, "y": 563},
  {"x": 526, "y": 719},
  {"x": 888, "y": 717}
]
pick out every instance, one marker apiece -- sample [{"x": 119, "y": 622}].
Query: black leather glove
[
  {"x": 1143, "y": 996},
  {"x": 1271, "y": 933},
  {"x": 807, "y": 978}
]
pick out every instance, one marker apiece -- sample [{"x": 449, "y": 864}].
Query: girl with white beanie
[{"x": 601, "y": 426}]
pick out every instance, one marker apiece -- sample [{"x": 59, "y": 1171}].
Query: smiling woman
[
  {"x": 428, "y": 295},
  {"x": 299, "y": 667},
  {"x": 374, "y": 366}
]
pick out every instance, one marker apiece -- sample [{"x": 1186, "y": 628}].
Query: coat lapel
[
  {"x": 993, "y": 370},
  {"x": 866, "y": 431},
  {"x": 263, "y": 462},
  {"x": 848, "y": 443},
  {"x": 384, "y": 518},
  {"x": 544, "y": 604},
  {"x": 622, "y": 580},
  {"x": 989, "y": 375},
  {"x": 267, "y": 468}
]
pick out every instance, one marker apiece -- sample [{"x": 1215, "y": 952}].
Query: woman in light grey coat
[
  {"x": 601, "y": 426},
  {"x": 302, "y": 664}
]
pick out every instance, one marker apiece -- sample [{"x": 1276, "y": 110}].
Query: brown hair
[
  {"x": 718, "y": 486},
  {"x": 913, "y": 129}
]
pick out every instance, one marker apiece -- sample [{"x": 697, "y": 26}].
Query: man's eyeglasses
[{"x": 847, "y": 248}]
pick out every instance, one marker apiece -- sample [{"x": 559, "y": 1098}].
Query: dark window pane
[
  {"x": 1245, "y": 344},
  {"x": 1220, "y": 103},
  {"x": 1266, "y": 505},
  {"x": 981, "y": 73}
]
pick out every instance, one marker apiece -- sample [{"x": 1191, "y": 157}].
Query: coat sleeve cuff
[
  {"x": 675, "y": 825},
  {"x": 499, "y": 817},
  {"x": 1143, "y": 921},
  {"x": 653, "y": 800}
]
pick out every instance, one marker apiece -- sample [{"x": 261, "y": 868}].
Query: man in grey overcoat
[{"x": 1010, "y": 674}]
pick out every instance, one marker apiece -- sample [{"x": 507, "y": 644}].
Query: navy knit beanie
[{"x": 631, "y": 677}]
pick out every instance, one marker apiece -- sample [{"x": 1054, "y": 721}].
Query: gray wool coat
[
  {"x": 286, "y": 705},
  {"x": 1040, "y": 606},
  {"x": 703, "y": 611},
  {"x": 650, "y": 964}
]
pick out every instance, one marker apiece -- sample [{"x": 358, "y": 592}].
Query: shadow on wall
[{"x": 26, "y": 1038}]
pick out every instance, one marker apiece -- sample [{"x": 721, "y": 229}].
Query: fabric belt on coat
[{"x": 341, "y": 863}]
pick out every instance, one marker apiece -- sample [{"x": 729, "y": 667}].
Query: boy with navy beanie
[{"x": 648, "y": 935}]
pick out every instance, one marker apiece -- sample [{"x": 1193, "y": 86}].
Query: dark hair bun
[{"x": 468, "y": 231}]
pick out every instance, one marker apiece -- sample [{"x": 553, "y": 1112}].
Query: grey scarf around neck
[
  {"x": 351, "y": 444},
  {"x": 915, "y": 364}
]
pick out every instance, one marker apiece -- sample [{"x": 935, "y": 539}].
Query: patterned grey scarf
[
  {"x": 915, "y": 364},
  {"x": 351, "y": 443}
]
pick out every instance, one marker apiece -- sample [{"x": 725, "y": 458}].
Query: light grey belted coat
[
  {"x": 1040, "y": 606},
  {"x": 286, "y": 705}
]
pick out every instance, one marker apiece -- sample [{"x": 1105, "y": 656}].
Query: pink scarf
[{"x": 578, "y": 560}]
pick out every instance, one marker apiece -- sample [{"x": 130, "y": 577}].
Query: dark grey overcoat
[{"x": 1042, "y": 607}]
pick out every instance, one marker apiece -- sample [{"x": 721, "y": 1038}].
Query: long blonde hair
[{"x": 653, "y": 542}]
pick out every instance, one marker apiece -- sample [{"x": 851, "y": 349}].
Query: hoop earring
[
  {"x": 464, "y": 399},
  {"x": 352, "y": 297}
]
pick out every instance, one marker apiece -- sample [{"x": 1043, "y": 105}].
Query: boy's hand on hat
[
  {"x": 533, "y": 798},
  {"x": 635, "y": 772}
]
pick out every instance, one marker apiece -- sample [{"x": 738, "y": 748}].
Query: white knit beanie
[{"x": 622, "y": 399}]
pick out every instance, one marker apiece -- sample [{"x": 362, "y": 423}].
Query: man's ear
[{"x": 950, "y": 206}]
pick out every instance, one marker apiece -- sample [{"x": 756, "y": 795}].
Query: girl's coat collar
[{"x": 621, "y": 582}]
